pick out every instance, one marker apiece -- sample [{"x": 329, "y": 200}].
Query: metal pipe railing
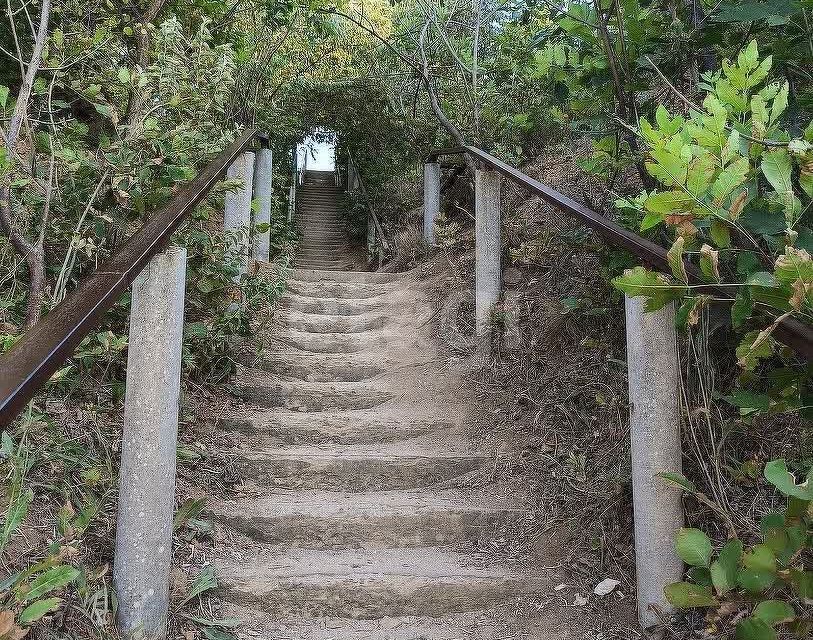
[
  {"x": 790, "y": 331},
  {"x": 380, "y": 238},
  {"x": 37, "y": 355}
]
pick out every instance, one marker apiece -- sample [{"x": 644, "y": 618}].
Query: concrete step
[
  {"x": 315, "y": 275},
  {"x": 379, "y": 519},
  {"x": 328, "y": 306},
  {"x": 308, "y": 254},
  {"x": 372, "y": 584},
  {"x": 323, "y": 265},
  {"x": 474, "y": 625},
  {"x": 329, "y": 236},
  {"x": 277, "y": 427},
  {"x": 260, "y": 388},
  {"x": 323, "y": 245},
  {"x": 286, "y": 338},
  {"x": 357, "y": 468},
  {"x": 334, "y": 369},
  {"x": 314, "y": 323},
  {"x": 345, "y": 291},
  {"x": 314, "y": 231}
]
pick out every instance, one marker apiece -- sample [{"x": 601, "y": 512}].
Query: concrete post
[
  {"x": 147, "y": 475},
  {"x": 486, "y": 250},
  {"x": 431, "y": 199},
  {"x": 262, "y": 194},
  {"x": 654, "y": 397},
  {"x": 237, "y": 217}
]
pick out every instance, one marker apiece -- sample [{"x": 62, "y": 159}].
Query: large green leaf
[
  {"x": 778, "y": 169},
  {"x": 639, "y": 282},
  {"x": 754, "y": 629},
  {"x": 670, "y": 202},
  {"x": 724, "y": 569},
  {"x": 694, "y": 547},
  {"x": 776, "y": 472},
  {"x": 773, "y": 612},
  {"x": 729, "y": 179}
]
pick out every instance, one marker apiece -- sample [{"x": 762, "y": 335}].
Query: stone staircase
[
  {"x": 366, "y": 510},
  {"x": 324, "y": 240}
]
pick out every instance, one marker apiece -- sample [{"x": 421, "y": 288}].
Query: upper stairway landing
[{"x": 324, "y": 240}]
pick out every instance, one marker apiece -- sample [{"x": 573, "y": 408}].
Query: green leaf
[
  {"x": 773, "y": 612},
  {"x": 124, "y": 75},
  {"x": 754, "y": 629},
  {"x": 670, "y": 202},
  {"x": 694, "y": 547},
  {"x": 36, "y": 610},
  {"x": 794, "y": 264},
  {"x": 729, "y": 179},
  {"x": 802, "y": 582},
  {"x": 700, "y": 576},
  {"x": 206, "y": 581},
  {"x": 685, "y": 595},
  {"x": 776, "y": 472},
  {"x": 742, "y": 308},
  {"x": 760, "y": 558},
  {"x": 104, "y": 109},
  {"x": 780, "y": 103},
  {"x": 190, "y": 509},
  {"x": 3, "y": 96},
  {"x": 755, "y": 581},
  {"x": 720, "y": 233},
  {"x": 678, "y": 480},
  {"x": 724, "y": 569},
  {"x": 748, "y": 58},
  {"x": 710, "y": 263},
  {"x": 777, "y": 168},
  {"x": 748, "y": 402},
  {"x": 675, "y": 258},
  {"x": 656, "y": 287},
  {"x": 52, "y": 579}
]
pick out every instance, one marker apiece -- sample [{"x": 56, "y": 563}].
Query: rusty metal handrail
[
  {"x": 34, "y": 358},
  {"x": 792, "y": 332}
]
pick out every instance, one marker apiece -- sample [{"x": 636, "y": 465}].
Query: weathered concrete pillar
[
  {"x": 431, "y": 199},
  {"x": 654, "y": 397},
  {"x": 237, "y": 217},
  {"x": 487, "y": 250},
  {"x": 263, "y": 194},
  {"x": 147, "y": 475}
]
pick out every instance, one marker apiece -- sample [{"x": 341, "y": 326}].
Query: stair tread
[
  {"x": 332, "y": 504},
  {"x": 269, "y": 569},
  {"x": 494, "y": 624},
  {"x": 387, "y": 452}
]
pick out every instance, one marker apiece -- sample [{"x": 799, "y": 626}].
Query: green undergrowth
[{"x": 60, "y": 458}]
